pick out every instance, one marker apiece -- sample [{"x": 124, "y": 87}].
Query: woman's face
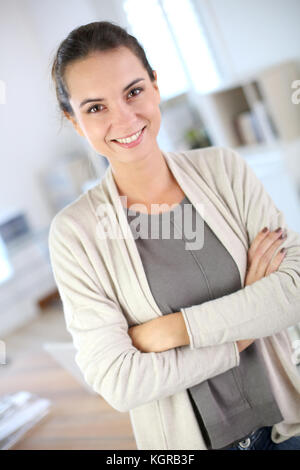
[{"x": 116, "y": 107}]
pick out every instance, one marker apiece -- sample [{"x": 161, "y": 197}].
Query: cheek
[
  {"x": 152, "y": 112},
  {"x": 155, "y": 114},
  {"x": 93, "y": 128}
]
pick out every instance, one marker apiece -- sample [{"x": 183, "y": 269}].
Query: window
[
  {"x": 175, "y": 44},
  {"x": 148, "y": 24}
]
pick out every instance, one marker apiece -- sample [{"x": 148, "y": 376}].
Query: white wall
[{"x": 249, "y": 35}]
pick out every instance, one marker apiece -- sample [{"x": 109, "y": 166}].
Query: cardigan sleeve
[
  {"x": 272, "y": 303},
  {"x": 124, "y": 376}
]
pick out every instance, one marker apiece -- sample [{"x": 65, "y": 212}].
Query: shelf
[{"x": 256, "y": 111}]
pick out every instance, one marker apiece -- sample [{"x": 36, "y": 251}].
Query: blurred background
[{"x": 229, "y": 74}]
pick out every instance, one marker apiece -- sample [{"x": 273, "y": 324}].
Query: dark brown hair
[{"x": 83, "y": 41}]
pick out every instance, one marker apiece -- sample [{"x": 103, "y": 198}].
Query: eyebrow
[{"x": 89, "y": 100}]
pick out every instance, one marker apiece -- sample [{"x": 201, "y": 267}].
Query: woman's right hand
[{"x": 261, "y": 264}]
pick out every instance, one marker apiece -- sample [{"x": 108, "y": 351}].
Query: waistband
[{"x": 247, "y": 440}]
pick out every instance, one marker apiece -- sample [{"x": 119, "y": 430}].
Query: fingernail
[
  {"x": 278, "y": 230},
  {"x": 265, "y": 230}
]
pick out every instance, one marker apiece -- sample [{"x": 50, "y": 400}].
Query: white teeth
[{"x": 130, "y": 139}]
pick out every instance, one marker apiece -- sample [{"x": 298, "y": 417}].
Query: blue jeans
[{"x": 261, "y": 440}]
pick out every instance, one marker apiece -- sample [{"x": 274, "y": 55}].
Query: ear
[
  {"x": 75, "y": 123},
  {"x": 155, "y": 83}
]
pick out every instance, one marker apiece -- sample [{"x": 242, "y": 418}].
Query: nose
[{"x": 122, "y": 116}]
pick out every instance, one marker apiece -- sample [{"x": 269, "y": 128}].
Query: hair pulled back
[{"x": 85, "y": 40}]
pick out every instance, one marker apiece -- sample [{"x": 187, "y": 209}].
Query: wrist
[
  {"x": 142, "y": 337},
  {"x": 176, "y": 331},
  {"x": 160, "y": 334}
]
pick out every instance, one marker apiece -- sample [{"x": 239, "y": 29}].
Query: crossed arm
[
  {"x": 160, "y": 334},
  {"x": 169, "y": 331}
]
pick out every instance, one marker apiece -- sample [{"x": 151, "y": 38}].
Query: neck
[{"x": 145, "y": 181}]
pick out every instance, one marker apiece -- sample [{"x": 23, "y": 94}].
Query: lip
[
  {"x": 130, "y": 135},
  {"x": 132, "y": 144}
]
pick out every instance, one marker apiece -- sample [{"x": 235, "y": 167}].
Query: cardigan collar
[{"x": 206, "y": 202}]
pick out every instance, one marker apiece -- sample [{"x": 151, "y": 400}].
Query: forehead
[{"x": 102, "y": 72}]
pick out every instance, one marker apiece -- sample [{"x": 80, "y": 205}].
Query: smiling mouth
[{"x": 130, "y": 137}]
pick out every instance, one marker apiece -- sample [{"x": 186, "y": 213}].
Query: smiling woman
[
  {"x": 175, "y": 334},
  {"x": 123, "y": 112},
  {"x": 97, "y": 91}
]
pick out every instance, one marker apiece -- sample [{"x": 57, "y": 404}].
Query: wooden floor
[{"x": 78, "y": 419}]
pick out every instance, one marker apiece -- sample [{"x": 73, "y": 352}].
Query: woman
[{"x": 162, "y": 326}]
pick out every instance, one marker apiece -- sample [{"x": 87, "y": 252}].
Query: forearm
[
  {"x": 160, "y": 334},
  {"x": 262, "y": 309}
]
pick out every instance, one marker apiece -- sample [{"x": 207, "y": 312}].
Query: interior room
[{"x": 228, "y": 74}]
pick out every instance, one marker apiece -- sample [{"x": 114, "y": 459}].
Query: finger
[
  {"x": 276, "y": 262},
  {"x": 264, "y": 246},
  {"x": 256, "y": 242},
  {"x": 266, "y": 258}
]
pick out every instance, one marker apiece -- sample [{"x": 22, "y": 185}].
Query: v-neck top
[
  {"x": 186, "y": 264},
  {"x": 104, "y": 291}
]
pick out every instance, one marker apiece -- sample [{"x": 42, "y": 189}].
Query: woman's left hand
[{"x": 261, "y": 262}]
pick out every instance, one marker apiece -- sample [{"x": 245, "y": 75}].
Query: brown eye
[
  {"x": 95, "y": 106},
  {"x": 139, "y": 89}
]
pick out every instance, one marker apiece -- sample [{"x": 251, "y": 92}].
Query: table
[{"x": 78, "y": 420}]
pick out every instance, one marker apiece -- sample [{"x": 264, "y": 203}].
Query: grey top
[{"x": 181, "y": 272}]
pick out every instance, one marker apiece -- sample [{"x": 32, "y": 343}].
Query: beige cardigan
[{"x": 104, "y": 291}]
